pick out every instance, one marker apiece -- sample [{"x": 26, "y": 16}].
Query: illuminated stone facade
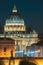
[
  {"x": 7, "y": 48},
  {"x": 15, "y": 29}
]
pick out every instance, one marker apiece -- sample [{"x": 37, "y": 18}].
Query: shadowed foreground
[
  {"x": 21, "y": 61},
  {"x": 24, "y": 62},
  {"x": 1, "y": 62}
]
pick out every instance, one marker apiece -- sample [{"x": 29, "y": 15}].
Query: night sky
[{"x": 30, "y": 10}]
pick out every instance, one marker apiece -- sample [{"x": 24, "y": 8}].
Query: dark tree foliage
[
  {"x": 1, "y": 62},
  {"x": 24, "y": 62}
]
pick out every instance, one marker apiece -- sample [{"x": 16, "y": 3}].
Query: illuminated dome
[
  {"x": 14, "y": 18},
  {"x": 14, "y": 22}
]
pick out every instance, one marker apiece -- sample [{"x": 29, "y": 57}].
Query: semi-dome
[{"x": 14, "y": 18}]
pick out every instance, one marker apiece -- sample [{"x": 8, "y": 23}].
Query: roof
[
  {"x": 7, "y": 41},
  {"x": 40, "y": 43}
]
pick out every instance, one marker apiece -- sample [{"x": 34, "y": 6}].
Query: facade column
[
  {"x": 21, "y": 51},
  {"x": 20, "y": 45}
]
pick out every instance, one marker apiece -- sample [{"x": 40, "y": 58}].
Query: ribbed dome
[{"x": 14, "y": 18}]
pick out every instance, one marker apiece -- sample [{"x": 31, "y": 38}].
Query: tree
[
  {"x": 1, "y": 62},
  {"x": 24, "y": 62}
]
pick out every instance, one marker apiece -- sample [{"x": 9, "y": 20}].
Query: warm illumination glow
[
  {"x": 17, "y": 61},
  {"x": 40, "y": 62}
]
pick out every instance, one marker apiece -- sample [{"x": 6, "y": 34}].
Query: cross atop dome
[{"x": 14, "y": 9}]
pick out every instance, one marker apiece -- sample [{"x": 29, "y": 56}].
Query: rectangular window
[{"x": 4, "y": 49}]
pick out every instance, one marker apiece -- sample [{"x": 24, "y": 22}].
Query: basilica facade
[{"x": 15, "y": 29}]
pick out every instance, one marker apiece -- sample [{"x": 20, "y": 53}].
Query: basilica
[{"x": 15, "y": 39}]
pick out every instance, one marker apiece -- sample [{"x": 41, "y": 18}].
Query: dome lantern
[{"x": 14, "y": 9}]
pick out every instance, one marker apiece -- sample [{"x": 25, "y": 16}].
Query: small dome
[{"x": 14, "y": 18}]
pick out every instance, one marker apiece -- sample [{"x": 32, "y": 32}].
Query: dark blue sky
[{"x": 30, "y": 10}]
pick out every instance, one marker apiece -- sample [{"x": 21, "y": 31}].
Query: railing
[{"x": 18, "y": 35}]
